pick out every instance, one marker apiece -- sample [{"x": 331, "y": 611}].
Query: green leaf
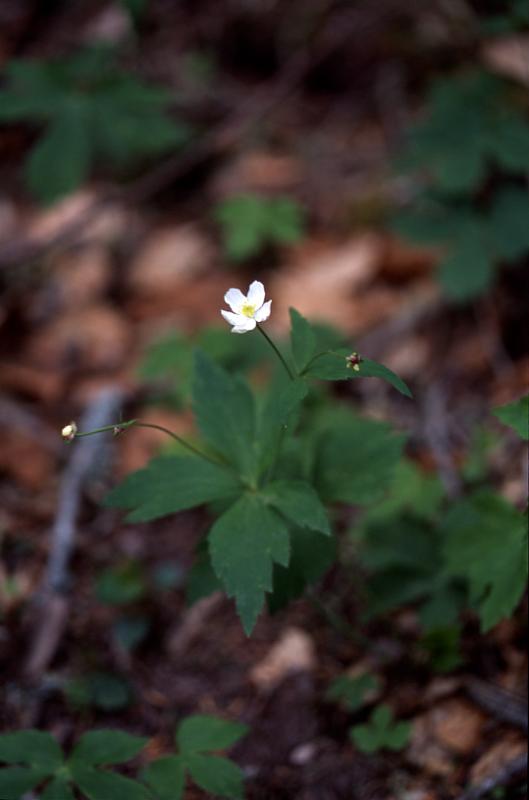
[
  {"x": 469, "y": 271},
  {"x": 508, "y": 222},
  {"x": 99, "y": 785},
  {"x": 278, "y": 414},
  {"x": 299, "y": 503},
  {"x": 381, "y": 732},
  {"x": 515, "y": 415},
  {"x": 302, "y": 338},
  {"x": 244, "y": 542},
  {"x": 334, "y": 366},
  {"x": 485, "y": 541},
  {"x": 355, "y": 461},
  {"x": 372, "y": 369},
  {"x": 224, "y": 411},
  {"x": 16, "y": 781},
  {"x": 170, "y": 484},
  {"x": 98, "y": 689},
  {"x": 311, "y": 556},
  {"x": 201, "y": 733},
  {"x": 107, "y": 747},
  {"x": 58, "y": 789},
  {"x": 201, "y": 580},
  {"x": 219, "y": 776},
  {"x": 122, "y": 584},
  {"x": 60, "y": 161},
  {"x": 352, "y": 692},
  {"x": 166, "y": 776},
  {"x": 32, "y": 747},
  {"x": 249, "y": 222}
]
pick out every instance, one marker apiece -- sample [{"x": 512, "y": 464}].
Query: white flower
[
  {"x": 246, "y": 311},
  {"x": 69, "y": 431}
]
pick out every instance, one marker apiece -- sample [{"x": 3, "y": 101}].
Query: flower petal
[
  {"x": 256, "y": 294},
  {"x": 235, "y": 299},
  {"x": 248, "y": 325},
  {"x": 233, "y": 319},
  {"x": 263, "y": 313}
]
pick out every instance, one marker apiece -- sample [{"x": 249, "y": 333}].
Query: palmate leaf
[
  {"x": 225, "y": 414},
  {"x": 171, "y": 484},
  {"x": 311, "y": 556},
  {"x": 508, "y": 222},
  {"x": 485, "y": 541},
  {"x": 244, "y": 543},
  {"x": 381, "y": 732},
  {"x": 516, "y": 416},
  {"x": 355, "y": 460},
  {"x": 277, "y": 414},
  {"x": 92, "y": 109},
  {"x": 250, "y": 221},
  {"x": 299, "y": 503}
]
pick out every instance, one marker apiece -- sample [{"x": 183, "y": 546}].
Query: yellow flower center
[{"x": 248, "y": 310}]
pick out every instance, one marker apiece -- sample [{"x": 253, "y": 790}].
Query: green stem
[
  {"x": 277, "y": 351},
  {"x": 121, "y": 426}
]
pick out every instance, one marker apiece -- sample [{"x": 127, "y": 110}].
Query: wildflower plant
[{"x": 270, "y": 481}]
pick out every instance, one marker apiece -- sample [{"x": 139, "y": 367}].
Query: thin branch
[{"x": 52, "y": 614}]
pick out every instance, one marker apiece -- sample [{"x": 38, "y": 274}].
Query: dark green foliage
[
  {"x": 473, "y": 125},
  {"x": 381, "y": 733},
  {"x": 485, "y": 542},
  {"x": 516, "y": 416},
  {"x": 244, "y": 543},
  {"x": 195, "y": 738},
  {"x": 250, "y": 221},
  {"x": 352, "y": 693},
  {"x": 355, "y": 460},
  {"x": 88, "y": 109},
  {"x": 94, "y": 750},
  {"x": 171, "y": 484}
]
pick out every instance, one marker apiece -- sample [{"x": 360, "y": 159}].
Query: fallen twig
[
  {"x": 52, "y": 614},
  {"x": 504, "y": 705},
  {"x": 503, "y": 777}
]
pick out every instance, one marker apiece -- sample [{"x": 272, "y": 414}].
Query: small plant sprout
[
  {"x": 69, "y": 432},
  {"x": 246, "y": 310}
]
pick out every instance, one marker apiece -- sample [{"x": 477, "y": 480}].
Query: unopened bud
[
  {"x": 354, "y": 361},
  {"x": 69, "y": 431}
]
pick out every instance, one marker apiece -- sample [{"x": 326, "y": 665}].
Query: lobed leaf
[
  {"x": 170, "y": 484},
  {"x": 299, "y": 503},
  {"x": 302, "y": 338},
  {"x": 225, "y": 414},
  {"x": 201, "y": 733},
  {"x": 244, "y": 542}
]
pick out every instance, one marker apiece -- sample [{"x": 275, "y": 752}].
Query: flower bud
[
  {"x": 354, "y": 361},
  {"x": 69, "y": 431}
]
